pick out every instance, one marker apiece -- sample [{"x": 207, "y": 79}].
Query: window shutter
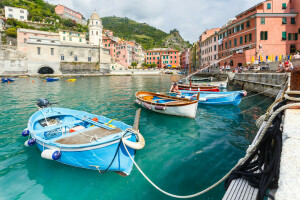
[
  {"x": 296, "y": 36},
  {"x": 261, "y": 35},
  {"x": 290, "y": 36},
  {"x": 266, "y": 35}
]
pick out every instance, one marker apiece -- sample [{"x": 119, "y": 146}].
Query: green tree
[
  {"x": 153, "y": 65},
  {"x": 12, "y": 32},
  {"x": 133, "y": 64},
  {"x": 145, "y": 65},
  {"x": 11, "y": 21}
]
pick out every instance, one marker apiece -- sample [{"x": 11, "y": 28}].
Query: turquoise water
[{"x": 182, "y": 156}]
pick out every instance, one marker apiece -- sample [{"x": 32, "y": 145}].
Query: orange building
[
  {"x": 163, "y": 57},
  {"x": 266, "y": 32}
]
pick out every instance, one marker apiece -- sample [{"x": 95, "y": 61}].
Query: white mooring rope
[{"x": 250, "y": 150}]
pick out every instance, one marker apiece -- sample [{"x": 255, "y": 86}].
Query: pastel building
[
  {"x": 163, "y": 57},
  {"x": 67, "y": 13},
  {"x": 184, "y": 58},
  {"x": 209, "y": 47},
  {"x": 109, "y": 42},
  {"x": 23, "y": 36},
  {"x": 2, "y": 24},
  {"x": 16, "y": 13},
  {"x": 71, "y": 36},
  {"x": 267, "y": 31}
]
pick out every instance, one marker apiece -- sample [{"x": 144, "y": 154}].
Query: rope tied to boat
[{"x": 250, "y": 151}]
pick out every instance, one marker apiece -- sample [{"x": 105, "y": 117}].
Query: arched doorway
[
  {"x": 46, "y": 70},
  {"x": 292, "y": 49}
]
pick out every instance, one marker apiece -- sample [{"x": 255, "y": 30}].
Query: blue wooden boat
[
  {"x": 52, "y": 79},
  {"x": 5, "y": 80},
  {"x": 215, "y": 98},
  {"x": 82, "y": 139}
]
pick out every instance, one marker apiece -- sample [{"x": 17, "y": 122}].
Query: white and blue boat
[
  {"x": 6, "y": 80},
  {"x": 215, "y": 98},
  {"x": 52, "y": 79},
  {"x": 84, "y": 140}
]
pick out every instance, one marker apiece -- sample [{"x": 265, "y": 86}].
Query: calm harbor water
[{"x": 182, "y": 156}]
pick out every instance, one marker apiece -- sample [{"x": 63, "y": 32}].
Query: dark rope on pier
[{"x": 261, "y": 169}]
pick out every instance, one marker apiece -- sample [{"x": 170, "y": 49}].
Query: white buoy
[{"x": 51, "y": 154}]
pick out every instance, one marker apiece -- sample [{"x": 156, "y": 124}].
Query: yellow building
[{"x": 71, "y": 36}]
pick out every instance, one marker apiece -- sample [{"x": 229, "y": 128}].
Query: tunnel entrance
[{"x": 46, "y": 70}]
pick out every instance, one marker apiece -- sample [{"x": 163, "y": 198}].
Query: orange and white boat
[{"x": 167, "y": 104}]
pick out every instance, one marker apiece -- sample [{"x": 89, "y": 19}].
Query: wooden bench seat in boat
[
  {"x": 86, "y": 136},
  {"x": 53, "y": 127}
]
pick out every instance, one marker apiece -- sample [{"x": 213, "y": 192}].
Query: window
[
  {"x": 64, "y": 38},
  {"x": 235, "y": 42},
  {"x": 105, "y": 45},
  {"x": 263, "y": 20},
  {"x": 284, "y": 20},
  {"x": 250, "y": 37},
  {"x": 264, "y": 35},
  {"x": 39, "y": 50},
  {"x": 25, "y": 40},
  {"x": 215, "y": 38},
  {"x": 70, "y": 39},
  {"x": 80, "y": 40},
  {"x": 64, "y": 32},
  {"x": 75, "y": 58},
  {"x": 284, "y": 6},
  {"x": 246, "y": 39},
  {"x": 89, "y": 59},
  {"x": 22, "y": 17},
  {"x": 10, "y": 16},
  {"x": 52, "y": 51},
  {"x": 230, "y": 44},
  {"x": 215, "y": 48},
  {"x": 293, "y": 36},
  {"x": 96, "y": 32},
  {"x": 293, "y": 20},
  {"x": 62, "y": 57},
  {"x": 225, "y": 45},
  {"x": 10, "y": 9},
  {"x": 269, "y": 6},
  {"x": 299, "y": 30},
  {"x": 248, "y": 24},
  {"x": 242, "y": 26},
  {"x": 241, "y": 40},
  {"x": 229, "y": 32},
  {"x": 157, "y": 58}
]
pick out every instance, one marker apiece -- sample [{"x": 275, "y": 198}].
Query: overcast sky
[{"x": 190, "y": 17}]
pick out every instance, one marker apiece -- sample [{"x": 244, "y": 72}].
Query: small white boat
[{"x": 167, "y": 104}]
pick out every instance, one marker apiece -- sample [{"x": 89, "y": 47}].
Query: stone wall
[
  {"x": 79, "y": 68},
  {"x": 12, "y": 61},
  {"x": 267, "y": 83}
]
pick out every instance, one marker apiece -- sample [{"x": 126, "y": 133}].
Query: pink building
[
  {"x": 267, "y": 31},
  {"x": 126, "y": 53},
  {"x": 163, "y": 57},
  {"x": 209, "y": 47},
  {"x": 184, "y": 58},
  {"x": 110, "y": 44},
  {"x": 24, "y": 34},
  {"x": 68, "y": 13}
]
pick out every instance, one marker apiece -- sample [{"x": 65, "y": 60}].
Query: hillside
[
  {"x": 39, "y": 10},
  {"x": 144, "y": 34}
]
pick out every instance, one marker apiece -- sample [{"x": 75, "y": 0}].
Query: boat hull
[
  {"x": 215, "y": 98},
  {"x": 99, "y": 157},
  {"x": 199, "y": 88},
  {"x": 189, "y": 111}
]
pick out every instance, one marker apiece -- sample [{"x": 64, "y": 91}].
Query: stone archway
[{"x": 46, "y": 70}]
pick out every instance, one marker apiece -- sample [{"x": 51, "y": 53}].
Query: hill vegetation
[{"x": 41, "y": 11}]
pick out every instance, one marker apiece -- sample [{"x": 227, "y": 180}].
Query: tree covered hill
[{"x": 39, "y": 10}]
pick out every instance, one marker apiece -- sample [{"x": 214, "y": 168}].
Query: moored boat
[
  {"x": 167, "y": 104},
  {"x": 215, "y": 98},
  {"x": 6, "y": 80},
  {"x": 200, "y": 87},
  {"x": 82, "y": 139},
  {"x": 52, "y": 79}
]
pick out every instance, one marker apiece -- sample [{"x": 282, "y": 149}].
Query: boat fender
[
  {"x": 244, "y": 93},
  {"x": 135, "y": 145},
  {"x": 137, "y": 102},
  {"x": 159, "y": 107},
  {"x": 95, "y": 119},
  {"x": 25, "y": 132},
  {"x": 30, "y": 142},
  {"x": 51, "y": 154},
  {"x": 148, "y": 106},
  {"x": 202, "y": 99}
]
